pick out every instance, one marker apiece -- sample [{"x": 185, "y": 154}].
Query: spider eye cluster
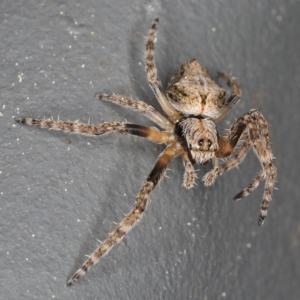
[
  {"x": 205, "y": 144},
  {"x": 222, "y": 94}
]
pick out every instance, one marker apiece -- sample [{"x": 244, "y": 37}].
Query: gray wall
[{"x": 57, "y": 199}]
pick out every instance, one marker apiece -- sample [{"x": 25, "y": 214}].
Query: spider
[{"x": 193, "y": 104}]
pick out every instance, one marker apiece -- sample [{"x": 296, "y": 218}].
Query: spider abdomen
[{"x": 192, "y": 92}]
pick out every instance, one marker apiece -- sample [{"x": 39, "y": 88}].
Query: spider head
[
  {"x": 192, "y": 92},
  {"x": 199, "y": 137}
]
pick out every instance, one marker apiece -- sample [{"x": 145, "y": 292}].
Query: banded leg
[
  {"x": 233, "y": 98},
  {"x": 107, "y": 127},
  {"x": 135, "y": 215},
  {"x": 190, "y": 175},
  {"x": 227, "y": 145},
  {"x": 258, "y": 125},
  {"x": 151, "y": 71},
  {"x": 263, "y": 128},
  {"x": 256, "y": 135},
  {"x": 146, "y": 109},
  {"x": 252, "y": 186},
  {"x": 210, "y": 177},
  {"x": 267, "y": 197}
]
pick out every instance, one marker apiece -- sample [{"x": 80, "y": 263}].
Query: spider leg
[
  {"x": 150, "y": 133},
  {"x": 215, "y": 161},
  {"x": 252, "y": 186},
  {"x": 233, "y": 98},
  {"x": 146, "y": 109},
  {"x": 265, "y": 155},
  {"x": 107, "y": 127},
  {"x": 239, "y": 156},
  {"x": 256, "y": 134},
  {"x": 190, "y": 175},
  {"x": 151, "y": 71},
  {"x": 135, "y": 215}
]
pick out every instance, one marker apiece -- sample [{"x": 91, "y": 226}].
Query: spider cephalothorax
[{"x": 193, "y": 104}]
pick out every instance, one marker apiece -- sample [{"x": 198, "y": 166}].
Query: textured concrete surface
[{"x": 58, "y": 198}]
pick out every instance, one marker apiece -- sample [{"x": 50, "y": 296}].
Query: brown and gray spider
[{"x": 194, "y": 103}]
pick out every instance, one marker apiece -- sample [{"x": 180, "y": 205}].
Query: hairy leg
[
  {"x": 190, "y": 175},
  {"x": 233, "y": 98},
  {"x": 210, "y": 177},
  {"x": 135, "y": 215},
  {"x": 152, "y": 76},
  {"x": 146, "y": 109},
  {"x": 256, "y": 136},
  {"x": 107, "y": 127},
  {"x": 259, "y": 134},
  {"x": 227, "y": 145},
  {"x": 252, "y": 186}
]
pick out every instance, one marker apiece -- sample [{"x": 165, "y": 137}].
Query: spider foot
[
  {"x": 252, "y": 186},
  {"x": 263, "y": 212},
  {"x": 77, "y": 275},
  {"x": 239, "y": 196},
  {"x": 189, "y": 182},
  {"x": 210, "y": 177},
  {"x": 190, "y": 176}
]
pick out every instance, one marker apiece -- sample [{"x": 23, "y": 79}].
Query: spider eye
[
  {"x": 205, "y": 144},
  {"x": 222, "y": 94}
]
